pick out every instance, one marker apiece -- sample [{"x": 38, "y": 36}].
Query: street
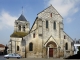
[
  {"x": 34, "y": 59},
  {"x": 2, "y": 58}
]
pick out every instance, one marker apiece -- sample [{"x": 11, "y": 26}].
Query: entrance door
[{"x": 50, "y": 52}]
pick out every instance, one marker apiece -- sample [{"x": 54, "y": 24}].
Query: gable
[
  {"x": 68, "y": 37},
  {"x": 51, "y": 39},
  {"x": 46, "y": 13}
]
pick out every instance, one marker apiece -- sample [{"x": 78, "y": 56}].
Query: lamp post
[{"x": 59, "y": 51}]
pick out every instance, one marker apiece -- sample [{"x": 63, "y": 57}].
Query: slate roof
[{"x": 22, "y": 18}]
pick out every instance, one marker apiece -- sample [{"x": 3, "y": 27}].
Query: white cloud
[
  {"x": 69, "y": 20},
  {"x": 65, "y": 7},
  {"x": 6, "y": 20}
]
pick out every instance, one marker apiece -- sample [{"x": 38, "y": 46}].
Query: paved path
[{"x": 36, "y": 59}]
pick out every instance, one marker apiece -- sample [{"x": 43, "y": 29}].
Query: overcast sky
[{"x": 10, "y": 10}]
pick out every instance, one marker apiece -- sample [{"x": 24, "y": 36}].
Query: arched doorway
[{"x": 51, "y": 49}]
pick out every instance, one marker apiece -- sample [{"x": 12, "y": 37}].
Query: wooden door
[{"x": 50, "y": 52}]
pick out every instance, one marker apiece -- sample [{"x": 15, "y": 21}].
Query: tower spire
[{"x": 22, "y": 10}]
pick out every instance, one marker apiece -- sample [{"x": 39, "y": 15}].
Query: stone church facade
[{"x": 46, "y": 38}]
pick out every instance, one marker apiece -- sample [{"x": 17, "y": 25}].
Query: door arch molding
[{"x": 51, "y": 43}]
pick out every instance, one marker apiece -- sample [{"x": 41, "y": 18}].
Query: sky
[{"x": 10, "y": 10}]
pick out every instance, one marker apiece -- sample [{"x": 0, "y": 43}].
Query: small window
[
  {"x": 40, "y": 34},
  {"x": 64, "y": 37},
  {"x": 17, "y": 48},
  {"x": 54, "y": 25},
  {"x": 23, "y": 28},
  {"x": 51, "y": 14},
  {"x": 33, "y": 35},
  {"x": 66, "y": 46},
  {"x": 46, "y": 24},
  {"x": 31, "y": 46}
]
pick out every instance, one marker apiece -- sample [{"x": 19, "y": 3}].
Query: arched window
[
  {"x": 54, "y": 25},
  {"x": 31, "y": 46},
  {"x": 23, "y": 28},
  {"x": 19, "y": 27},
  {"x": 66, "y": 46},
  {"x": 51, "y": 14},
  {"x": 46, "y": 24},
  {"x": 33, "y": 35},
  {"x": 64, "y": 37},
  {"x": 17, "y": 48}
]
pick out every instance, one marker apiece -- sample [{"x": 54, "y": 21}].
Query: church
[{"x": 45, "y": 39}]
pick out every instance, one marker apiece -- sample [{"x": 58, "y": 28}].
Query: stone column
[{"x": 48, "y": 52}]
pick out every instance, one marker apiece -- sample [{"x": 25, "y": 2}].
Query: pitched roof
[
  {"x": 1, "y": 45},
  {"x": 68, "y": 36},
  {"x": 22, "y": 18}
]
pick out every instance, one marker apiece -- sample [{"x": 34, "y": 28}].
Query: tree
[
  {"x": 78, "y": 50},
  {"x": 5, "y": 51}
]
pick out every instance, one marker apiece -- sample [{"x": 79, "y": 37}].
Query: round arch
[{"x": 51, "y": 44}]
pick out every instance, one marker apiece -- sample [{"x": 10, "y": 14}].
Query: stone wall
[
  {"x": 22, "y": 24},
  {"x": 45, "y": 35}
]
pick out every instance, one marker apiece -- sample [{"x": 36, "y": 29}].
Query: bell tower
[{"x": 21, "y": 24}]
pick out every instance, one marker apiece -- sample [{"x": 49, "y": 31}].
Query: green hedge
[{"x": 19, "y": 34}]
